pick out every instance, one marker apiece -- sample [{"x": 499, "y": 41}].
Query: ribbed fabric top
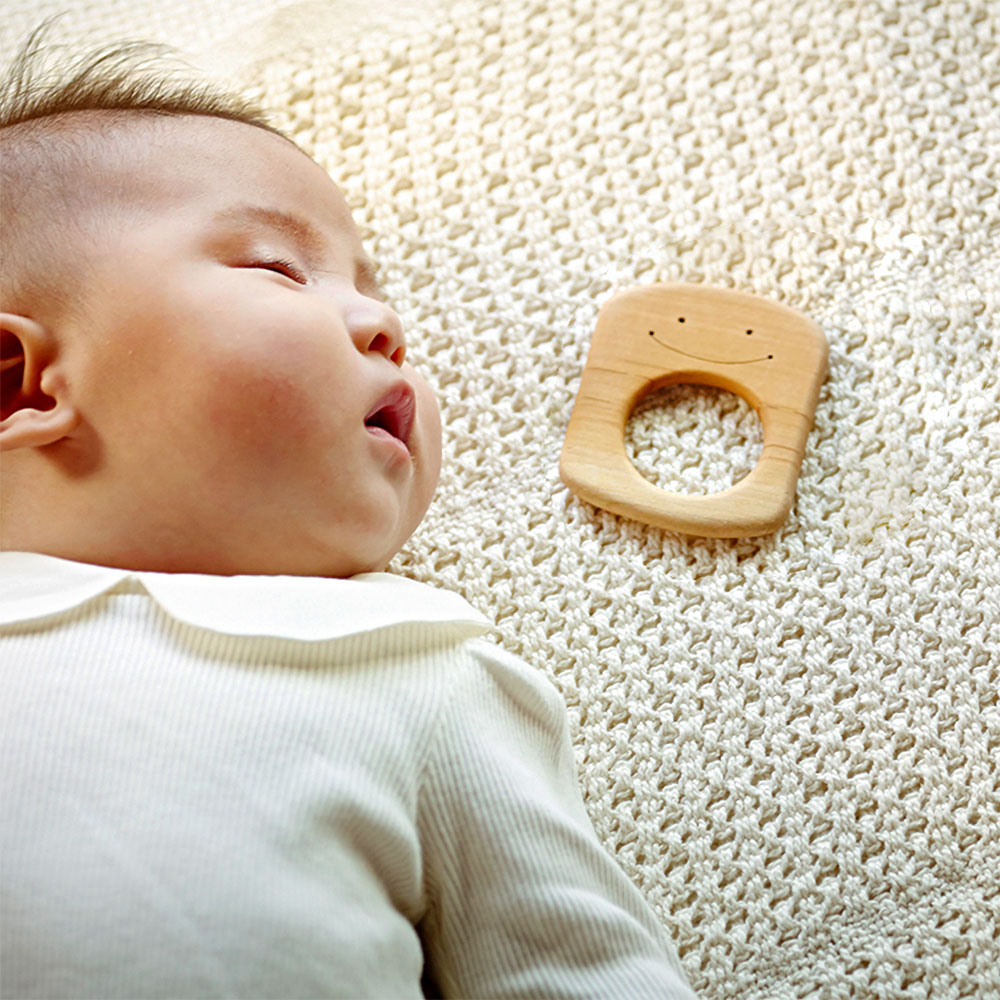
[{"x": 192, "y": 813}]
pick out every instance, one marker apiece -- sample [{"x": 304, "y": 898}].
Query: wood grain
[{"x": 655, "y": 335}]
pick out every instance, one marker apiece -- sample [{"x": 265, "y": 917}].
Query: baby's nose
[{"x": 374, "y": 326}]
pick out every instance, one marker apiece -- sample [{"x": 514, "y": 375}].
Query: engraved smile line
[{"x": 714, "y": 361}]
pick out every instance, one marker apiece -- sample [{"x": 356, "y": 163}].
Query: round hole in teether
[{"x": 693, "y": 439}]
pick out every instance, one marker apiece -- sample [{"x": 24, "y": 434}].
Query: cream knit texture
[{"x": 792, "y": 743}]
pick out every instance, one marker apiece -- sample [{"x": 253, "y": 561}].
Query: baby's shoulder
[
  {"x": 516, "y": 678},
  {"x": 487, "y": 682}
]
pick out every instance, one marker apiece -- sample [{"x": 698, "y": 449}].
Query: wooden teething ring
[{"x": 659, "y": 335}]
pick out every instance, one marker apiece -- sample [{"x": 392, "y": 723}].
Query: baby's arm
[{"x": 523, "y": 901}]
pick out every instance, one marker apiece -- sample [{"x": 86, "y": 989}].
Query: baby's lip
[{"x": 394, "y": 412}]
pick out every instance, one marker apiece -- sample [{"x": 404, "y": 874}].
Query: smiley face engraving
[{"x": 714, "y": 361}]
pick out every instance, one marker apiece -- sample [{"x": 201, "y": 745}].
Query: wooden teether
[{"x": 659, "y": 335}]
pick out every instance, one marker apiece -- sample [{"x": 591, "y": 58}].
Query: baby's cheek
[{"x": 263, "y": 411}]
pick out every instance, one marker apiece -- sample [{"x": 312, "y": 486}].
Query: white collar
[{"x": 292, "y": 607}]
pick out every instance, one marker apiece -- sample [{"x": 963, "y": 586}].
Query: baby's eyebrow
[{"x": 298, "y": 228}]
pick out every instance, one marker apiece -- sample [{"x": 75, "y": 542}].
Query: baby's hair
[
  {"x": 56, "y": 117},
  {"x": 126, "y": 77}
]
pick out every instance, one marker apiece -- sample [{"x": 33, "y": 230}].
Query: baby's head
[{"x": 199, "y": 371}]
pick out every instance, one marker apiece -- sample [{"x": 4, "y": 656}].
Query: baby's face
[{"x": 242, "y": 373}]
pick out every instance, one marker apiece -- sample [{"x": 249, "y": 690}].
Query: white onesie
[{"x": 286, "y": 787}]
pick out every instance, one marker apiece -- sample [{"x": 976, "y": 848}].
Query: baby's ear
[{"x": 34, "y": 408}]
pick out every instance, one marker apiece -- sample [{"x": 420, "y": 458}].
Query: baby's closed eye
[{"x": 279, "y": 265}]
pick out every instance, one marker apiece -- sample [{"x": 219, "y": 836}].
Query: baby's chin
[{"x": 376, "y": 557}]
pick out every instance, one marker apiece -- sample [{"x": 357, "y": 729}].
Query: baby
[{"x": 238, "y": 758}]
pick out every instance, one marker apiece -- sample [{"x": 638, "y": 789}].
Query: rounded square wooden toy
[{"x": 658, "y": 335}]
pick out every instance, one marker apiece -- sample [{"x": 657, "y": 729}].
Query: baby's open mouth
[{"x": 393, "y": 413}]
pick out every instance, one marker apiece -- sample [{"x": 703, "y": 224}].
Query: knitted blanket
[{"x": 792, "y": 743}]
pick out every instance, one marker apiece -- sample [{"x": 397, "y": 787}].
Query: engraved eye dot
[
  {"x": 680, "y": 319},
  {"x": 749, "y": 332}
]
